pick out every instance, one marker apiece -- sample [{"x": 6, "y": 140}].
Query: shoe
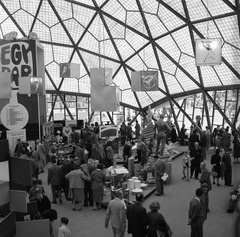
[
  {"x": 156, "y": 194},
  {"x": 230, "y": 185},
  {"x": 190, "y": 177},
  {"x": 218, "y": 184},
  {"x": 54, "y": 202},
  {"x": 197, "y": 178},
  {"x": 74, "y": 209},
  {"x": 60, "y": 201},
  {"x": 183, "y": 177},
  {"x": 214, "y": 183},
  {"x": 94, "y": 209},
  {"x": 99, "y": 207},
  {"x": 187, "y": 179}
]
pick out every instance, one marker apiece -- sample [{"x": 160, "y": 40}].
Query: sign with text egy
[{"x": 19, "y": 59}]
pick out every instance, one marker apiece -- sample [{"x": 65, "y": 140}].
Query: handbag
[{"x": 213, "y": 173}]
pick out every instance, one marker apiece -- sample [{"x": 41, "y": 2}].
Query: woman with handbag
[{"x": 216, "y": 166}]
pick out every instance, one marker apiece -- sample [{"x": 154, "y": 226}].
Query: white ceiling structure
[{"x": 131, "y": 35}]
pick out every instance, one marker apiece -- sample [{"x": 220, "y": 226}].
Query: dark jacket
[
  {"x": 55, "y": 175},
  {"x": 137, "y": 220}
]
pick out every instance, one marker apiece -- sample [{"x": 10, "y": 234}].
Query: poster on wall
[
  {"x": 208, "y": 52},
  {"x": 19, "y": 58},
  {"x": 12, "y": 137},
  {"x": 48, "y": 129}
]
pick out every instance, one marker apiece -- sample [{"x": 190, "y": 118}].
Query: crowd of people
[{"x": 75, "y": 173}]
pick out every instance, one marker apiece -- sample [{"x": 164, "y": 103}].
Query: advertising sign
[
  {"x": 19, "y": 59},
  {"x": 208, "y": 52}
]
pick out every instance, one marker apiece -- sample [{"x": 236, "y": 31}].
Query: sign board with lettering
[{"x": 20, "y": 59}]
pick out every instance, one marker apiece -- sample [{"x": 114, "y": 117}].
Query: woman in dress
[
  {"x": 76, "y": 179},
  {"x": 216, "y": 166},
  {"x": 98, "y": 179},
  {"x": 155, "y": 218}
]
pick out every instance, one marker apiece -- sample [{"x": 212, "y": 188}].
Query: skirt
[
  {"x": 97, "y": 195},
  {"x": 77, "y": 194}
]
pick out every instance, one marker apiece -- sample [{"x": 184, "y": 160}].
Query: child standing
[
  {"x": 63, "y": 230},
  {"x": 186, "y": 164}
]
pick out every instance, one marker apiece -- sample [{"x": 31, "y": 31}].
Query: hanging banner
[
  {"x": 36, "y": 85},
  {"x": 19, "y": 58},
  {"x": 12, "y": 137},
  {"x": 208, "y": 52},
  {"x": 70, "y": 70},
  {"x": 144, "y": 81},
  {"x": 101, "y": 76}
]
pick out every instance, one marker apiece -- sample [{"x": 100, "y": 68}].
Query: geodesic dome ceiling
[{"x": 131, "y": 35}]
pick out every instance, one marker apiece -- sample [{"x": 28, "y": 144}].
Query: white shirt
[{"x": 63, "y": 231}]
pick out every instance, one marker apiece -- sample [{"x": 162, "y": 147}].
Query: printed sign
[
  {"x": 208, "y": 52},
  {"x": 19, "y": 59},
  {"x": 12, "y": 137},
  {"x": 106, "y": 131}
]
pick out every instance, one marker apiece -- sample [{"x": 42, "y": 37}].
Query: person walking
[
  {"x": 129, "y": 131},
  {"x": 137, "y": 130},
  {"x": 196, "y": 159},
  {"x": 186, "y": 164},
  {"x": 76, "y": 179},
  {"x": 160, "y": 169},
  {"x": 227, "y": 168},
  {"x": 63, "y": 230},
  {"x": 55, "y": 179},
  {"x": 66, "y": 168},
  {"x": 205, "y": 179},
  {"x": 137, "y": 218},
  {"x": 117, "y": 212},
  {"x": 216, "y": 166},
  {"x": 195, "y": 215},
  {"x": 226, "y": 140},
  {"x": 98, "y": 179}
]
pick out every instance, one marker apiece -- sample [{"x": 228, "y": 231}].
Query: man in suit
[
  {"x": 55, "y": 179},
  {"x": 137, "y": 218},
  {"x": 116, "y": 210},
  {"x": 196, "y": 159},
  {"x": 160, "y": 169},
  {"x": 66, "y": 168},
  {"x": 195, "y": 215},
  {"x": 193, "y": 139},
  {"x": 205, "y": 178}
]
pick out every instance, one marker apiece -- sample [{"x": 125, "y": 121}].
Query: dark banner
[{"x": 19, "y": 59}]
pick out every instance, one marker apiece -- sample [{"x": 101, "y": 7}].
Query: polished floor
[{"x": 174, "y": 207}]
